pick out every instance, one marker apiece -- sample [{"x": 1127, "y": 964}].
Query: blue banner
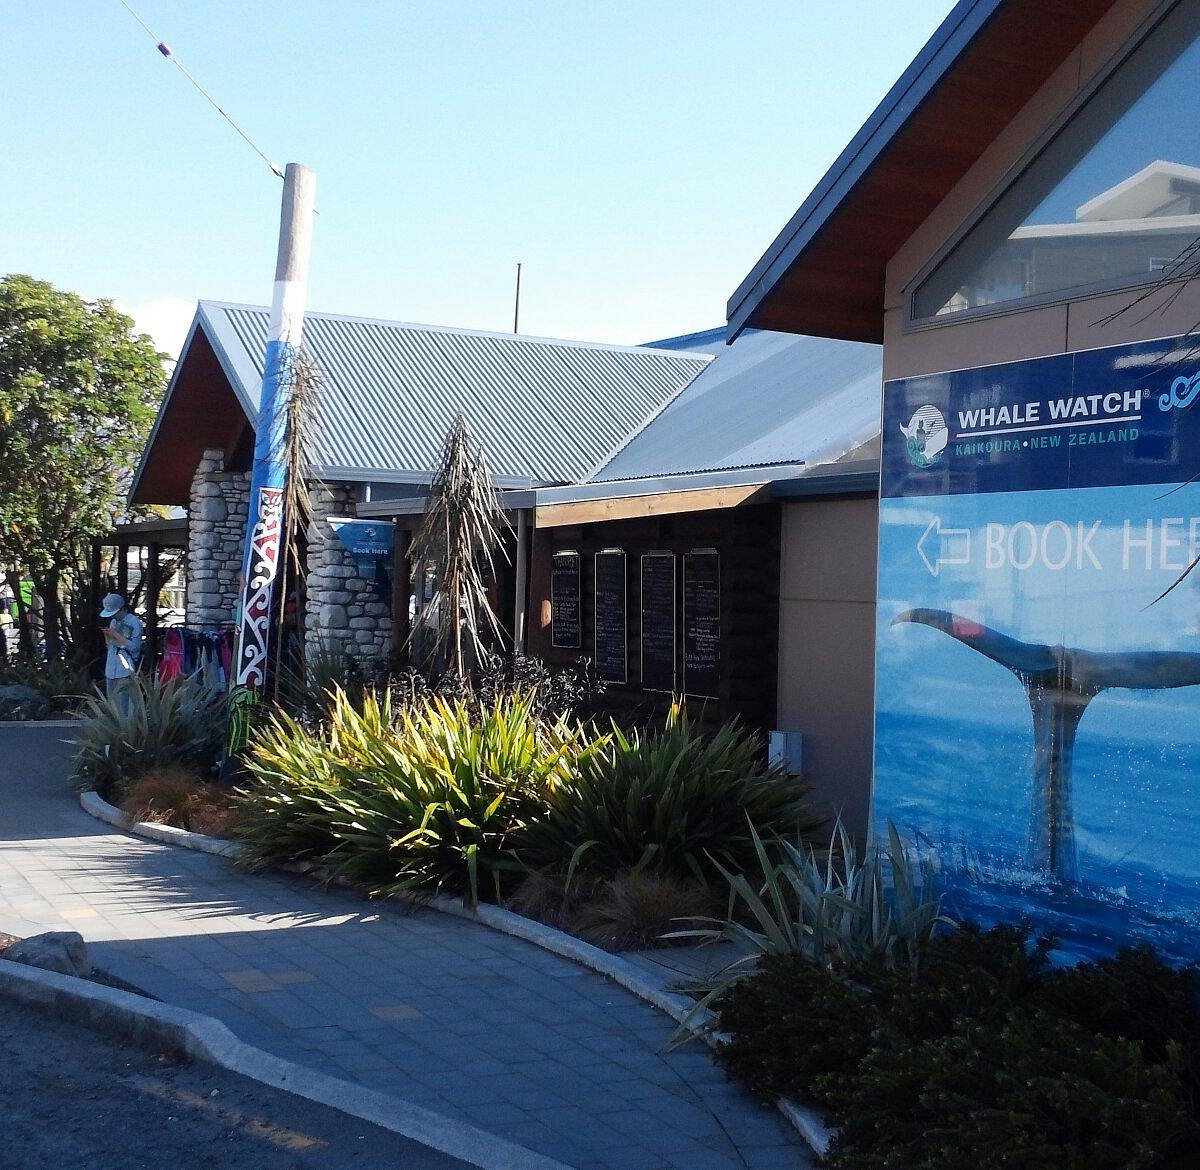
[
  {"x": 372, "y": 544},
  {"x": 1038, "y": 640},
  {"x": 1103, "y": 418}
]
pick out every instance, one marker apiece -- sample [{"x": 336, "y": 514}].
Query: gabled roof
[
  {"x": 824, "y": 274},
  {"x": 768, "y": 401},
  {"x": 546, "y": 410}
]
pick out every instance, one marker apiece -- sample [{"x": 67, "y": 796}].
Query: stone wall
[
  {"x": 345, "y": 614},
  {"x": 216, "y": 532}
]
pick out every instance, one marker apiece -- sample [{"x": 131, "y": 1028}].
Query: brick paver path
[{"x": 444, "y": 1013}]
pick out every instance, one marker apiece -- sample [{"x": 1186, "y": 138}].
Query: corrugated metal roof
[
  {"x": 546, "y": 410},
  {"x": 769, "y": 399},
  {"x": 711, "y": 341}
]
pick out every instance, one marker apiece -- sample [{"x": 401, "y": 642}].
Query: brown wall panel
[{"x": 827, "y": 647}]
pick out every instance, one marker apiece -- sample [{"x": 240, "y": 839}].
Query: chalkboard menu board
[
  {"x": 702, "y": 622},
  {"x": 611, "y": 654},
  {"x": 565, "y": 628},
  {"x": 658, "y": 621}
]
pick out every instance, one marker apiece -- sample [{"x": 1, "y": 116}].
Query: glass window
[{"x": 1112, "y": 201}]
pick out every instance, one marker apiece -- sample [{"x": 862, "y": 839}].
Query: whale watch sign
[{"x": 1038, "y": 641}]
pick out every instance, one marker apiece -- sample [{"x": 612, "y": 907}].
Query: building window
[{"x": 1112, "y": 201}]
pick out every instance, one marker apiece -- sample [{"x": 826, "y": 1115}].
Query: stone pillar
[
  {"x": 220, "y": 500},
  {"x": 343, "y": 613}
]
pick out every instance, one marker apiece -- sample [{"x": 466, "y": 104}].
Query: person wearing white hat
[{"x": 124, "y": 639}]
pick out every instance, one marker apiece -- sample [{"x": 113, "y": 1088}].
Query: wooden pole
[
  {"x": 123, "y": 570},
  {"x": 522, "y": 580},
  {"x": 153, "y": 588},
  {"x": 401, "y": 592}
]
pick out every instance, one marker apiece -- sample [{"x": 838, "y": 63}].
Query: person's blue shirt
[{"x": 122, "y": 660}]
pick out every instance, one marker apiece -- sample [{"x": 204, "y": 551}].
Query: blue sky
[{"x": 636, "y": 158}]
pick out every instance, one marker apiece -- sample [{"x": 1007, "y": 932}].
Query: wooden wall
[{"x": 747, "y": 539}]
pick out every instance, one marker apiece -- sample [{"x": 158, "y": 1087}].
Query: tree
[
  {"x": 464, "y": 526},
  {"x": 78, "y": 392}
]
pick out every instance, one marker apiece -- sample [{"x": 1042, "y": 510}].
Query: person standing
[{"x": 124, "y": 640}]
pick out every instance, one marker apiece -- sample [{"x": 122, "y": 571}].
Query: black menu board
[
  {"x": 702, "y": 622},
  {"x": 658, "y": 621},
  {"x": 565, "y": 628},
  {"x": 611, "y": 655}
]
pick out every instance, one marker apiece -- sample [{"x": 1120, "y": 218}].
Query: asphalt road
[{"x": 72, "y": 1098}]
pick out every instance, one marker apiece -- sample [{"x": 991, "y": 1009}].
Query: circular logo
[{"x": 925, "y": 436}]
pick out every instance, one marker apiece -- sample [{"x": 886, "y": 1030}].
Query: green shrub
[
  {"x": 308, "y": 685},
  {"x": 65, "y": 683},
  {"x": 428, "y": 798},
  {"x": 981, "y": 1055},
  {"x": 791, "y": 1023},
  {"x": 1035, "y": 1091},
  {"x": 675, "y": 801},
  {"x": 182, "y": 722},
  {"x": 1135, "y": 995},
  {"x": 797, "y": 1027}
]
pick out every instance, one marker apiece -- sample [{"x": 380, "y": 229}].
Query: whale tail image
[{"x": 1059, "y": 683}]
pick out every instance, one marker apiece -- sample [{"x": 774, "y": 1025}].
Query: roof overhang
[
  {"x": 824, "y": 274},
  {"x": 204, "y": 406},
  {"x": 860, "y": 477},
  {"x": 589, "y": 503},
  {"x": 171, "y": 533}
]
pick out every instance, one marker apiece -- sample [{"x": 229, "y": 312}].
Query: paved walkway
[{"x": 445, "y": 1013}]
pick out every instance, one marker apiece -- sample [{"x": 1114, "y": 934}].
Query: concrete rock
[
  {"x": 213, "y": 509},
  {"x": 333, "y": 617},
  {"x": 63, "y": 951}
]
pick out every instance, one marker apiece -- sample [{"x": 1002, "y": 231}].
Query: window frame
[{"x": 1008, "y": 179}]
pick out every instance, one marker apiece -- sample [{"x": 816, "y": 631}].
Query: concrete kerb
[
  {"x": 151, "y": 1024},
  {"x": 40, "y": 722},
  {"x": 806, "y": 1121},
  {"x": 98, "y": 807}
]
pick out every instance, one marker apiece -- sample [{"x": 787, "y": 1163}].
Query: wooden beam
[
  {"x": 401, "y": 591},
  {"x": 662, "y": 504},
  {"x": 150, "y": 602}
]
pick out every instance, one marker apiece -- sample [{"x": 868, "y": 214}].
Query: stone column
[
  {"x": 216, "y": 531},
  {"x": 343, "y": 613}
]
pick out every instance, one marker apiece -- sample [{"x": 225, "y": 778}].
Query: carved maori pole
[{"x": 265, "y": 522}]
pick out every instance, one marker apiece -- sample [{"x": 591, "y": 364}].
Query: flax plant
[
  {"x": 299, "y": 437},
  {"x": 841, "y": 912},
  {"x": 431, "y": 797},
  {"x": 838, "y": 910},
  {"x": 675, "y": 800},
  {"x": 464, "y": 528},
  {"x": 121, "y": 738}
]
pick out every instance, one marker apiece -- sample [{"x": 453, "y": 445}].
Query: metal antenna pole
[{"x": 517, "y": 302}]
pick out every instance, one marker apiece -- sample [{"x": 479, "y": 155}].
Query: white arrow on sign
[{"x": 957, "y": 540}]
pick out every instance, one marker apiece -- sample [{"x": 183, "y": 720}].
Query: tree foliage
[{"x": 78, "y": 392}]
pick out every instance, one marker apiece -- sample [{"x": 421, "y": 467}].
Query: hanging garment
[{"x": 171, "y": 664}]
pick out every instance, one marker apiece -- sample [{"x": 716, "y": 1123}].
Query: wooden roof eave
[{"x": 824, "y": 273}]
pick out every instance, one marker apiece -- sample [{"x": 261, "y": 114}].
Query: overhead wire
[{"x": 167, "y": 52}]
